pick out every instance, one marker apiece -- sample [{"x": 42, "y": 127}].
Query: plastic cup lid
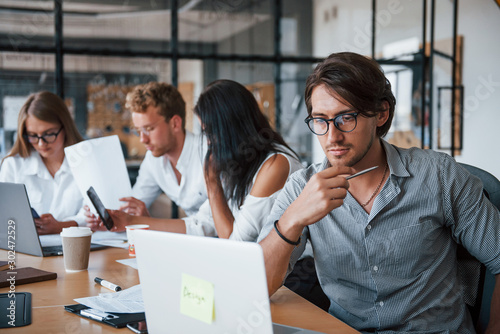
[{"x": 76, "y": 231}]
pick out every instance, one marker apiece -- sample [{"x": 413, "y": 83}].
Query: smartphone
[
  {"x": 34, "y": 213},
  {"x": 139, "y": 327},
  {"x": 101, "y": 210}
]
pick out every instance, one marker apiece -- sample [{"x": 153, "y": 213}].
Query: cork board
[
  {"x": 107, "y": 115},
  {"x": 264, "y": 94}
]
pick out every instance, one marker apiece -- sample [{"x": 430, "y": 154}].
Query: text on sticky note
[{"x": 197, "y": 298}]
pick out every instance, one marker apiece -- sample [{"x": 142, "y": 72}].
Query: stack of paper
[{"x": 125, "y": 301}]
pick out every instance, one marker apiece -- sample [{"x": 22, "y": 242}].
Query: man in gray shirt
[{"x": 384, "y": 242}]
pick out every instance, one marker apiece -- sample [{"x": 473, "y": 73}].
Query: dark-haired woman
[
  {"x": 37, "y": 160},
  {"x": 246, "y": 165}
]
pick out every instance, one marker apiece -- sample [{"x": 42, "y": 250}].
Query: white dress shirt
[
  {"x": 156, "y": 175},
  {"x": 58, "y": 195},
  {"x": 249, "y": 218}
]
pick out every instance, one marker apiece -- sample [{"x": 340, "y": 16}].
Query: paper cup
[
  {"x": 76, "y": 248},
  {"x": 131, "y": 247}
]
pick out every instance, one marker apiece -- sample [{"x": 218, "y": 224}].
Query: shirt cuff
[{"x": 195, "y": 226}]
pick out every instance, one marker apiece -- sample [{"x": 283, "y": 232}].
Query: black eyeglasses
[
  {"x": 345, "y": 123},
  {"x": 48, "y": 138}
]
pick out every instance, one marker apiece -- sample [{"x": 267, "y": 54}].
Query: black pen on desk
[{"x": 107, "y": 284}]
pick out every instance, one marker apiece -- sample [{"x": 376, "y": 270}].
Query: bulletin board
[
  {"x": 264, "y": 94},
  {"x": 107, "y": 114}
]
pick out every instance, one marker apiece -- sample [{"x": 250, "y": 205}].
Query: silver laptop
[
  {"x": 196, "y": 284},
  {"x": 17, "y": 225}
]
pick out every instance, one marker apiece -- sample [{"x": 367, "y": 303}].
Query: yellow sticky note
[{"x": 197, "y": 298}]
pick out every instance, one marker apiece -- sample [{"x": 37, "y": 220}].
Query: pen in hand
[
  {"x": 107, "y": 284},
  {"x": 361, "y": 173}
]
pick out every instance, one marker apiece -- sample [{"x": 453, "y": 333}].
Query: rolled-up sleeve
[
  {"x": 249, "y": 219},
  {"x": 474, "y": 221},
  {"x": 79, "y": 218},
  {"x": 202, "y": 222}
]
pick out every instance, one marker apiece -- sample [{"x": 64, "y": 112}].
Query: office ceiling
[{"x": 199, "y": 20}]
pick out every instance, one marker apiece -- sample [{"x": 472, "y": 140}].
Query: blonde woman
[{"x": 37, "y": 160}]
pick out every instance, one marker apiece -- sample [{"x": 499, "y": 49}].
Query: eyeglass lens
[
  {"x": 344, "y": 123},
  {"x": 48, "y": 138},
  {"x": 145, "y": 130}
]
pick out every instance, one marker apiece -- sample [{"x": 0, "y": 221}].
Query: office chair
[{"x": 478, "y": 281}]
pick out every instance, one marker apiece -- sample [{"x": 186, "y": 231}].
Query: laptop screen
[
  {"x": 17, "y": 221},
  {"x": 196, "y": 284}
]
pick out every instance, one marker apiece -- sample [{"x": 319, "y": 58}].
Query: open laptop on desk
[
  {"x": 16, "y": 221},
  {"x": 224, "y": 278}
]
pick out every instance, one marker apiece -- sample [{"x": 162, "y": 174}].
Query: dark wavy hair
[
  {"x": 358, "y": 81},
  {"x": 238, "y": 134}
]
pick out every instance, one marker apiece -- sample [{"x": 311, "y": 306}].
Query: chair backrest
[
  {"x": 491, "y": 184},
  {"x": 478, "y": 282}
]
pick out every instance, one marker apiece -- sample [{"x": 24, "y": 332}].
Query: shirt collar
[
  {"x": 34, "y": 166},
  {"x": 396, "y": 166},
  {"x": 325, "y": 164},
  {"x": 183, "y": 162}
]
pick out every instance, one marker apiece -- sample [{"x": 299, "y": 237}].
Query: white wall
[{"x": 479, "y": 23}]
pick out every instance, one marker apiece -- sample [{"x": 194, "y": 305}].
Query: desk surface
[{"x": 49, "y": 297}]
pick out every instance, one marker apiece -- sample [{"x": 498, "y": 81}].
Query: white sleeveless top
[{"x": 250, "y": 217}]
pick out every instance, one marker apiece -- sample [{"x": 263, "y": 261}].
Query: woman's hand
[
  {"x": 212, "y": 177},
  {"x": 47, "y": 224}
]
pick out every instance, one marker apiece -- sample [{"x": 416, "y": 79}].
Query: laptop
[
  {"x": 16, "y": 219},
  {"x": 193, "y": 284}
]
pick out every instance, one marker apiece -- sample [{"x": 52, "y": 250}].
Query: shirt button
[
  {"x": 375, "y": 268},
  {"x": 381, "y": 303},
  {"x": 369, "y": 227}
]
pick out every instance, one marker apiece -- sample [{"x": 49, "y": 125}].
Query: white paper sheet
[
  {"x": 113, "y": 239},
  {"x": 125, "y": 301},
  {"x": 132, "y": 262},
  {"x": 100, "y": 163},
  {"x": 49, "y": 240}
]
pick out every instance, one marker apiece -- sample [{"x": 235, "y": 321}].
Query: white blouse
[
  {"x": 58, "y": 195},
  {"x": 156, "y": 175},
  {"x": 249, "y": 218}
]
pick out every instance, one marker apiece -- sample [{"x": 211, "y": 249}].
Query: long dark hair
[{"x": 238, "y": 134}]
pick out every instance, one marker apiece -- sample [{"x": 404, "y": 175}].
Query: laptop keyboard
[{"x": 57, "y": 250}]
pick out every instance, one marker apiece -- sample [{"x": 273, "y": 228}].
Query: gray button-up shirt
[{"x": 394, "y": 270}]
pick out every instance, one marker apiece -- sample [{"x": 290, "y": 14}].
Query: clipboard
[{"x": 118, "y": 320}]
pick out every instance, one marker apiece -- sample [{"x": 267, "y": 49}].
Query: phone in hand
[
  {"x": 139, "y": 327},
  {"x": 101, "y": 210}
]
